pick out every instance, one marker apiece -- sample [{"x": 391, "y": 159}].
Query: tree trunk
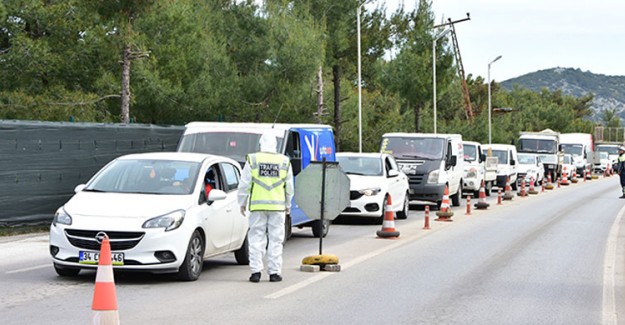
[
  {"x": 319, "y": 95},
  {"x": 336, "y": 73},
  {"x": 125, "y": 110},
  {"x": 417, "y": 118}
]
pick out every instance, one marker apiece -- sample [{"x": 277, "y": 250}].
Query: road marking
[
  {"x": 28, "y": 269},
  {"x": 609, "y": 265},
  {"x": 347, "y": 265}
]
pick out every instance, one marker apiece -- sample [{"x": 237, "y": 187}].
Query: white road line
[
  {"x": 28, "y": 269},
  {"x": 324, "y": 275},
  {"x": 609, "y": 316}
]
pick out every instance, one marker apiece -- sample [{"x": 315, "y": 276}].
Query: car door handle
[{"x": 229, "y": 209}]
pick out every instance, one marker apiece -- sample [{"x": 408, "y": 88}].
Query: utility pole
[{"x": 465, "y": 89}]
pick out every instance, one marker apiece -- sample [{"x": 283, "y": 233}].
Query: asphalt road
[{"x": 554, "y": 258}]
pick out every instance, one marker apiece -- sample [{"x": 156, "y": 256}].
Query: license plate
[{"x": 93, "y": 257}]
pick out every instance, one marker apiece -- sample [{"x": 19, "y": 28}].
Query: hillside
[{"x": 609, "y": 91}]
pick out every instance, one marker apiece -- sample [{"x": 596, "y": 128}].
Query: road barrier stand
[
  {"x": 499, "y": 196},
  {"x": 481, "y": 203},
  {"x": 549, "y": 185},
  {"x": 532, "y": 190},
  {"x": 104, "y": 306},
  {"x": 388, "y": 225},
  {"x": 445, "y": 213},
  {"x": 468, "y": 213},
  {"x": 522, "y": 193}
]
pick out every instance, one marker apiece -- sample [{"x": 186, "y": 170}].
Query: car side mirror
[
  {"x": 393, "y": 173},
  {"x": 216, "y": 195},
  {"x": 79, "y": 188},
  {"x": 452, "y": 161},
  {"x": 482, "y": 157},
  {"x": 512, "y": 162}
]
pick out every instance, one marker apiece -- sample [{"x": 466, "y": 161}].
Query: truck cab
[
  {"x": 431, "y": 162},
  {"x": 302, "y": 143},
  {"x": 546, "y": 144},
  {"x": 477, "y": 168}
]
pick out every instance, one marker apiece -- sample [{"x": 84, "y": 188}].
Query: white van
[
  {"x": 431, "y": 162},
  {"x": 506, "y": 163},
  {"x": 477, "y": 169}
]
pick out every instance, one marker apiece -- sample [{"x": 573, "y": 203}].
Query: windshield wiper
[
  {"x": 92, "y": 190},
  {"x": 354, "y": 173}
]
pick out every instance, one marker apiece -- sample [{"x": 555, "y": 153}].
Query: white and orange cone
[
  {"x": 104, "y": 304},
  {"x": 388, "y": 225},
  {"x": 522, "y": 193},
  {"x": 574, "y": 179},
  {"x": 549, "y": 185},
  {"x": 565, "y": 178},
  {"x": 507, "y": 195},
  {"x": 445, "y": 213},
  {"x": 532, "y": 189},
  {"x": 481, "y": 202},
  {"x": 426, "y": 222}
]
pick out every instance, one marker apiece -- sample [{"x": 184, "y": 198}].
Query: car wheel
[
  {"x": 403, "y": 214},
  {"x": 66, "y": 271},
  {"x": 242, "y": 255},
  {"x": 455, "y": 199},
  {"x": 288, "y": 228},
  {"x": 194, "y": 259},
  {"x": 320, "y": 228},
  {"x": 380, "y": 219},
  {"x": 514, "y": 185}
]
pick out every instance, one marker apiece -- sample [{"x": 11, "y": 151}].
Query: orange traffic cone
[
  {"x": 588, "y": 174},
  {"x": 565, "y": 179},
  {"x": 445, "y": 213},
  {"x": 104, "y": 304},
  {"x": 532, "y": 188},
  {"x": 508, "y": 191},
  {"x": 522, "y": 193},
  {"x": 499, "y": 196},
  {"x": 549, "y": 185},
  {"x": 426, "y": 225},
  {"x": 388, "y": 225},
  {"x": 559, "y": 182},
  {"x": 574, "y": 179},
  {"x": 481, "y": 203}
]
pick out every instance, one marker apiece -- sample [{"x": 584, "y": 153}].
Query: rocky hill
[{"x": 609, "y": 91}]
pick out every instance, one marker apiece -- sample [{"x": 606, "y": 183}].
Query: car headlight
[
  {"x": 433, "y": 177},
  {"x": 168, "y": 221},
  {"x": 370, "y": 191},
  {"x": 61, "y": 216}
]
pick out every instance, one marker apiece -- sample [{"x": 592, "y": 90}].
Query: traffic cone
[
  {"x": 559, "y": 182},
  {"x": 532, "y": 190},
  {"x": 507, "y": 196},
  {"x": 542, "y": 185},
  {"x": 388, "y": 225},
  {"x": 565, "y": 179},
  {"x": 426, "y": 225},
  {"x": 499, "y": 196},
  {"x": 589, "y": 174},
  {"x": 481, "y": 203},
  {"x": 522, "y": 192},
  {"x": 574, "y": 179},
  {"x": 445, "y": 213},
  {"x": 584, "y": 175},
  {"x": 104, "y": 304},
  {"x": 549, "y": 185}
]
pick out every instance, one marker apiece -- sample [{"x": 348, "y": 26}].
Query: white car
[
  {"x": 154, "y": 210},
  {"x": 604, "y": 162},
  {"x": 374, "y": 177},
  {"x": 530, "y": 167}
]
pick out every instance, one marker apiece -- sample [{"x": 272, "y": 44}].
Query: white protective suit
[{"x": 265, "y": 225}]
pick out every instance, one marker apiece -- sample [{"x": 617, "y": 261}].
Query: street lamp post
[
  {"x": 359, "y": 83},
  {"x": 439, "y": 36},
  {"x": 489, "y": 105}
]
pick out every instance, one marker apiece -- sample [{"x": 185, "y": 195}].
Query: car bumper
[
  {"x": 471, "y": 184},
  {"x": 365, "y": 206},
  {"x": 427, "y": 192},
  {"x": 65, "y": 248}
]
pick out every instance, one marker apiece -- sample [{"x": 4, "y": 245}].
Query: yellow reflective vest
[{"x": 269, "y": 172}]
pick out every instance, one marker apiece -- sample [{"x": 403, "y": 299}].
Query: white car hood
[
  {"x": 359, "y": 182},
  {"x": 123, "y": 205}
]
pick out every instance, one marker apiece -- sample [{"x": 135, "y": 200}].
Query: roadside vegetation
[{"x": 171, "y": 62}]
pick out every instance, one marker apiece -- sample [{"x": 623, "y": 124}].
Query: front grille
[
  {"x": 416, "y": 179},
  {"x": 351, "y": 210},
  {"x": 355, "y": 195},
  {"x": 120, "y": 240}
]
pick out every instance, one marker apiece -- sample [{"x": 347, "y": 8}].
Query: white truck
[
  {"x": 546, "y": 144},
  {"x": 581, "y": 147},
  {"x": 477, "y": 168}
]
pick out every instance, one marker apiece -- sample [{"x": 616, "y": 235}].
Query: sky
[{"x": 533, "y": 35}]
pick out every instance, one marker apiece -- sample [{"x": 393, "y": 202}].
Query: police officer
[
  {"x": 267, "y": 186},
  {"x": 620, "y": 168}
]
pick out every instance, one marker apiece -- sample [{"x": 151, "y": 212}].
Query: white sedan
[
  {"x": 375, "y": 179},
  {"x": 154, "y": 209},
  {"x": 530, "y": 167}
]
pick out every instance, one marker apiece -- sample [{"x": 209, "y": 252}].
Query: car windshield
[
  {"x": 368, "y": 166},
  {"x": 502, "y": 155},
  {"x": 470, "y": 152},
  {"x": 603, "y": 155},
  {"x": 413, "y": 148},
  {"x": 572, "y": 149},
  {"x": 611, "y": 150},
  {"x": 146, "y": 176},
  {"x": 537, "y": 145},
  {"x": 235, "y": 145},
  {"x": 527, "y": 159}
]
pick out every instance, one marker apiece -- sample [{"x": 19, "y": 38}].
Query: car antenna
[{"x": 277, "y": 115}]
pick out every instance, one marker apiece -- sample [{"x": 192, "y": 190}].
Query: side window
[
  {"x": 294, "y": 151},
  {"x": 393, "y": 163},
  {"x": 231, "y": 177},
  {"x": 387, "y": 164}
]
